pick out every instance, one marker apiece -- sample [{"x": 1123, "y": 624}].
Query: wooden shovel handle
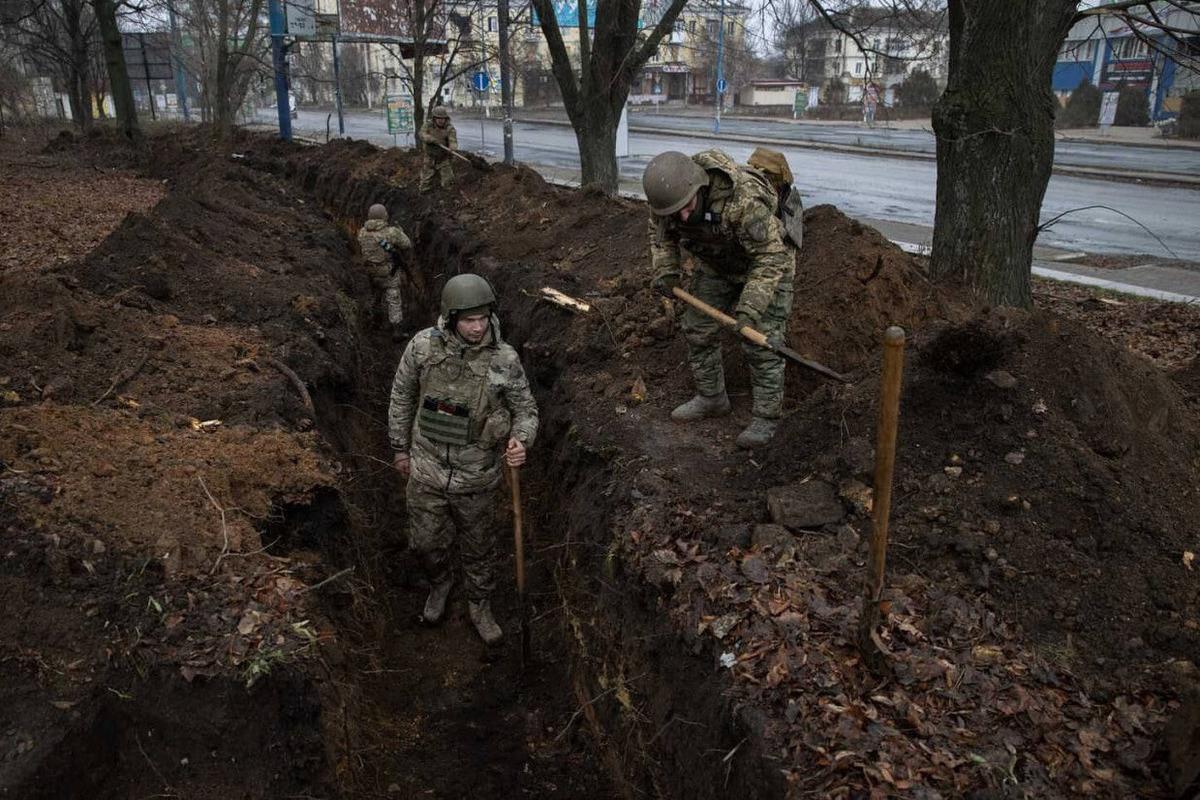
[
  {"x": 514, "y": 481},
  {"x": 757, "y": 337}
]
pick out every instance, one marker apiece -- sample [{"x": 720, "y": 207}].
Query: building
[
  {"x": 684, "y": 69},
  {"x": 773, "y": 93},
  {"x": 1103, "y": 50},
  {"x": 870, "y": 45}
]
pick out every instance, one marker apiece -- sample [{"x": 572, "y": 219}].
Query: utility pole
[
  {"x": 181, "y": 90},
  {"x": 337, "y": 86},
  {"x": 146, "y": 71},
  {"x": 720, "y": 87},
  {"x": 506, "y": 89},
  {"x": 279, "y": 62}
]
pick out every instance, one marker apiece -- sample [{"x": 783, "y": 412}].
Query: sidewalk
[{"x": 1129, "y": 136}]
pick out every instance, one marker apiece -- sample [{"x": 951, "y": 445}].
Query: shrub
[
  {"x": 918, "y": 89},
  {"x": 1189, "y": 115},
  {"x": 1132, "y": 108},
  {"x": 1082, "y": 109}
]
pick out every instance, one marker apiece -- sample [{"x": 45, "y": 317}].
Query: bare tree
[
  {"x": 118, "y": 73},
  {"x": 596, "y": 85},
  {"x": 995, "y": 126},
  {"x": 230, "y": 49},
  {"x": 59, "y": 36}
]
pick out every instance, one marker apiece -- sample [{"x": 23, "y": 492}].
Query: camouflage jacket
[
  {"x": 454, "y": 406},
  {"x": 370, "y": 242},
  {"x": 735, "y": 232},
  {"x": 431, "y": 134}
]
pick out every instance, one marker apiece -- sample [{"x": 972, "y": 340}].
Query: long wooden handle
[
  {"x": 885, "y": 458},
  {"x": 454, "y": 153},
  {"x": 514, "y": 480},
  {"x": 757, "y": 337}
]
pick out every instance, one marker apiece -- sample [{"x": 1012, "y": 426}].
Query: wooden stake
[{"x": 873, "y": 650}]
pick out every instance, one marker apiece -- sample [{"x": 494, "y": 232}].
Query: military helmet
[
  {"x": 439, "y": 112},
  {"x": 466, "y": 292},
  {"x": 378, "y": 211},
  {"x": 671, "y": 180}
]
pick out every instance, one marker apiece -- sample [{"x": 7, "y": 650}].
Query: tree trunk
[
  {"x": 995, "y": 142},
  {"x": 596, "y": 135},
  {"x": 118, "y": 75}
]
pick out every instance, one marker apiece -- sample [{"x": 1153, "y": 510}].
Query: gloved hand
[
  {"x": 744, "y": 319},
  {"x": 663, "y": 284}
]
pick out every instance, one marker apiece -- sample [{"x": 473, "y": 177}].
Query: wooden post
[{"x": 873, "y": 650}]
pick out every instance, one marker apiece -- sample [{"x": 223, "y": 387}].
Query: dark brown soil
[{"x": 1043, "y": 611}]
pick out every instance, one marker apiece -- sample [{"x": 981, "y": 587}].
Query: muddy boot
[
  {"x": 758, "y": 434},
  {"x": 702, "y": 406},
  {"x": 435, "y": 604},
  {"x": 485, "y": 623}
]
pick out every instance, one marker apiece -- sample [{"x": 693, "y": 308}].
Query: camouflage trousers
[
  {"x": 704, "y": 343},
  {"x": 442, "y": 168},
  {"x": 390, "y": 296},
  {"x": 435, "y": 516}
]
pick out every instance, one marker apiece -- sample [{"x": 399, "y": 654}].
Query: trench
[
  {"x": 615, "y": 703},
  {"x": 614, "y": 689}
]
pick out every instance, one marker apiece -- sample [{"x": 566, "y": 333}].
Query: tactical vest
[{"x": 454, "y": 395}]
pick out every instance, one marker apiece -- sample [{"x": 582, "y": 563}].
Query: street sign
[
  {"x": 799, "y": 103},
  {"x": 400, "y": 113},
  {"x": 301, "y": 18},
  {"x": 721, "y": 85},
  {"x": 480, "y": 81}
]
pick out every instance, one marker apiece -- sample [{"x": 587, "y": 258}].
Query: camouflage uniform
[
  {"x": 741, "y": 263},
  {"x": 453, "y": 408},
  {"x": 436, "y": 159},
  {"x": 379, "y": 263}
]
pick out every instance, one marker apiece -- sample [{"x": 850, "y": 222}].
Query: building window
[
  {"x": 491, "y": 25},
  {"x": 1130, "y": 47},
  {"x": 837, "y": 45},
  {"x": 858, "y": 68},
  {"x": 692, "y": 26},
  {"x": 713, "y": 26},
  {"x": 729, "y": 27}
]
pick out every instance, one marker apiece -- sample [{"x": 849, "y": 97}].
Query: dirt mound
[{"x": 851, "y": 284}]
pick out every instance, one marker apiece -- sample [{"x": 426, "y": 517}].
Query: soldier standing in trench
[
  {"x": 725, "y": 216},
  {"x": 460, "y": 404},
  {"x": 383, "y": 246},
  {"x": 440, "y": 140}
]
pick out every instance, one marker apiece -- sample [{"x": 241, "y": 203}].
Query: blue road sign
[
  {"x": 480, "y": 81},
  {"x": 721, "y": 85}
]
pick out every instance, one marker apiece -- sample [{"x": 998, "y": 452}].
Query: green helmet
[
  {"x": 466, "y": 292},
  {"x": 671, "y": 180},
  {"x": 378, "y": 211},
  {"x": 439, "y": 112}
]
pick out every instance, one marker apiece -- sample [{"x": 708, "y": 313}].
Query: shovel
[
  {"x": 757, "y": 337},
  {"x": 475, "y": 161},
  {"x": 514, "y": 481}
]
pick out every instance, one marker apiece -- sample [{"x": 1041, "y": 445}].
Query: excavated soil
[{"x": 181, "y": 524}]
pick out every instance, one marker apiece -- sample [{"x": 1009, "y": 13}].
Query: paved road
[
  {"x": 1123, "y": 157},
  {"x": 896, "y": 189}
]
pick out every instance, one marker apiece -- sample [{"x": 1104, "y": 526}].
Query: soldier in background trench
[
  {"x": 383, "y": 248},
  {"x": 725, "y": 216},
  {"x": 440, "y": 140},
  {"x": 460, "y": 405}
]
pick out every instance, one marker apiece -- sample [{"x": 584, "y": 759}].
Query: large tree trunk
[
  {"x": 118, "y": 75},
  {"x": 995, "y": 142},
  {"x": 596, "y": 134}
]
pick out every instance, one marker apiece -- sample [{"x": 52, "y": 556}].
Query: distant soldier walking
[
  {"x": 440, "y": 139},
  {"x": 725, "y": 216},
  {"x": 383, "y": 247},
  {"x": 460, "y": 405}
]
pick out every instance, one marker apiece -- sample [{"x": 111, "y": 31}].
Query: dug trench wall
[{"x": 658, "y": 716}]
